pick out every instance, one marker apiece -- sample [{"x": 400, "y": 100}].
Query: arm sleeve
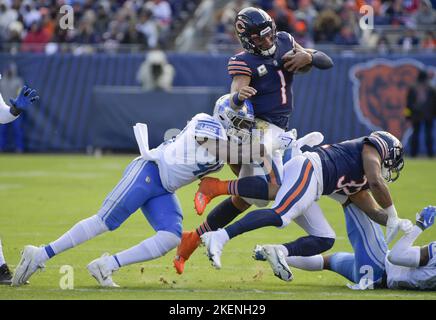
[
  {"x": 237, "y": 66},
  {"x": 5, "y": 114},
  {"x": 403, "y": 254}
]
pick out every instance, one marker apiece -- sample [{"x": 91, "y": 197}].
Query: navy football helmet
[
  {"x": 256, "y": 31},
  {"x": 391, "y": 151}
]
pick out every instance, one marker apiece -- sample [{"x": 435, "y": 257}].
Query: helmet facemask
[
  {"x": 391, "y": 167},
  {"x": 240, "y": 128}
]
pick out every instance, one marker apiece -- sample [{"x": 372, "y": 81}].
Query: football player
[
  {"x": 149, "y": 184},
  {"x": 371, "y": 266},
  {"x": 346, "y": 168},
  {"x": 262, "y": 73},
  {"x": 8, "y": 114}
]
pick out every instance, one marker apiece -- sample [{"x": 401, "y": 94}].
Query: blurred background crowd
[{"x": 207, "y": 25}]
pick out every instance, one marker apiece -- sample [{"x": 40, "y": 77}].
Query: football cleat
[
  {"x": 205, "y": 193},
  {"x": 277, "y": 260},
  {"x": 101, "y": 272},
  {"x": 189, "y": 243},
  {"x": 214, "y": 248},
  {"x": 425, "y": 219},
  {"x": 258, "y": 253},
  {"x": 27, "y": 266},
  {"x": 200, "y": 202},
  {"x": 5, "y": 275}
]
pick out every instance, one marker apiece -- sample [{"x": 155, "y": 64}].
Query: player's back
[
  {"x": 273, "y": 101},
  {"x": 182, "y": 159},
  {"x": 342, "y": 167}
]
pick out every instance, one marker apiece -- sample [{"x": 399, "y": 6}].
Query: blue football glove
[
  {"x": 26, "y": 97},
  {"x": 425, "y": 219}
]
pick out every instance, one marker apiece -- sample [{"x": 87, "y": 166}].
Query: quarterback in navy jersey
[
  {"x": 263, "y": 74},
  {"x": 350, "y": 168},
  {"x": 264, "y": 71}
]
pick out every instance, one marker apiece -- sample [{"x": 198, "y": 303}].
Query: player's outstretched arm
[
  {"x": 240, "y": 90},
  {"x": 365, "y": 201},
  {"x": 5, "y": 112},
  {"x": 404, "y": 253}
]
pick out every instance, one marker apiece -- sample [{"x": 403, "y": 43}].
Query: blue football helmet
[
  {"x": 391, "y": 151},
  {"x": 252, "y": 26},
  {"x": 237, "y": 123}
]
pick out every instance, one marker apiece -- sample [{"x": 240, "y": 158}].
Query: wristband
[{"x": 236, "y": 100}]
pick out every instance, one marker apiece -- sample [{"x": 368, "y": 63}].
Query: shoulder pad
[
  {"x": 238, "y": 66},
  {"x": 206, "y": 126}
]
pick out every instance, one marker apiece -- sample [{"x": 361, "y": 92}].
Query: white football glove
[
  {"x": 285, "y": 140},
  {"x": 392, "y": 228},
  {"x": 406, "y": 225}
]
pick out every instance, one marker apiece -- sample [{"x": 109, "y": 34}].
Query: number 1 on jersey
[{"x": 283, "y": 86}]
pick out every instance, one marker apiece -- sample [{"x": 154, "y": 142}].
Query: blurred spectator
[
  {"x": 429, "y": 41},
  {"x": 326, "y": 26},
  {"x": 155, "y": 72},
  {"x": 383, "y": 45},
  {"x": 421, "y": 110},
  {"x": 10, "y": 86},
  {"x": 161, "y": 12},
  {"x": 346, "y": 37},
  {"x": 30, "y": 14},
  {"x": 7, "y": 16},
  {"x": 426, "y": 15},
  {"x": 148, "y": 28},
  {"x": 36, "y": 39},
  {"x": 408, "y": 41}
]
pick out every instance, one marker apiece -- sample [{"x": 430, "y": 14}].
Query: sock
[
  {"x": 2, "y": 258},
  {"x": 254, "y": 220},
  {"x": 251, "y": 187},
  {"x": 343, "y": 263},
  {"x": 309, "y": 246},
  {"x": 79, "y": 233},
  {"x": 151, "y": 248},
  {"x": 403, "y": 254},
  {"x": 219, "y": 217},
  {"x": 313, "y": 263}
]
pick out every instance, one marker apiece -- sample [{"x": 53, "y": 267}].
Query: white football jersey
[
  {"x": 421, "y": 278},
  {"x": 182, "y": 159}
]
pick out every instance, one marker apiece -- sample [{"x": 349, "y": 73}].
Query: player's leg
[
  {"x": 369, "y": 246},
  {"x": 130, "y": 193},
  {"x": 220, "y": 216},
  {"x": 5, "y": 273},
  {"x": 321, "y": 238},
  {"x": 298, "y": 192},
  {"x": 165, "y": 216}
]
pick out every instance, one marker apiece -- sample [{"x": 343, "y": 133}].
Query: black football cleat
[{"x": 5, "y": 275}]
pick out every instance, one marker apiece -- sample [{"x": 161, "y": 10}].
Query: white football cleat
[
  {"x": 27, "y": 266},
  {"x": 214, "y": 247},
  {"x": 258, "y": 253},
  {"x": 277, "y": 260},
  {"x": 101, "y": 272}
]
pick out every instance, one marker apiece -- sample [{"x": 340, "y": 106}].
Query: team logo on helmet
[
  {"x": 240, "y": 26},
  {"x": 380, "y": 89}
]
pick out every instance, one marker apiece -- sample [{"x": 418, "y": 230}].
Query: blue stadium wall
[{"x": 83, "y": 103}]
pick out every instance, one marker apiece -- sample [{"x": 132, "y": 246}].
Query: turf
[{"x": 43, "y": 196}]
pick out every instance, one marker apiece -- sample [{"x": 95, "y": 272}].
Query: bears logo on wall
[{"x": 380, "y": 92}]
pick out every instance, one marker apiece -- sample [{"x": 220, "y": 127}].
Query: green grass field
[{"x": 43, "y": 196}]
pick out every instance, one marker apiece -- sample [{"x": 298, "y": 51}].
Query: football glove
[
  {"x": 26, "y": 97},
  {"x": 425, "y": 218}
]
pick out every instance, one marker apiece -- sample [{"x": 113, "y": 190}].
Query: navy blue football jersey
[
  {"x": 273, "y": 101},
  {"x": 342, "y": 165}
]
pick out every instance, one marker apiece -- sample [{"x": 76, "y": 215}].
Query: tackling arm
[
  {"x": 240, "y": 90},
  {"x": 365, "y": 201}
]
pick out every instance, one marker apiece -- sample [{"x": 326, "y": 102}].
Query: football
[{"x": 302, "y": 70}]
